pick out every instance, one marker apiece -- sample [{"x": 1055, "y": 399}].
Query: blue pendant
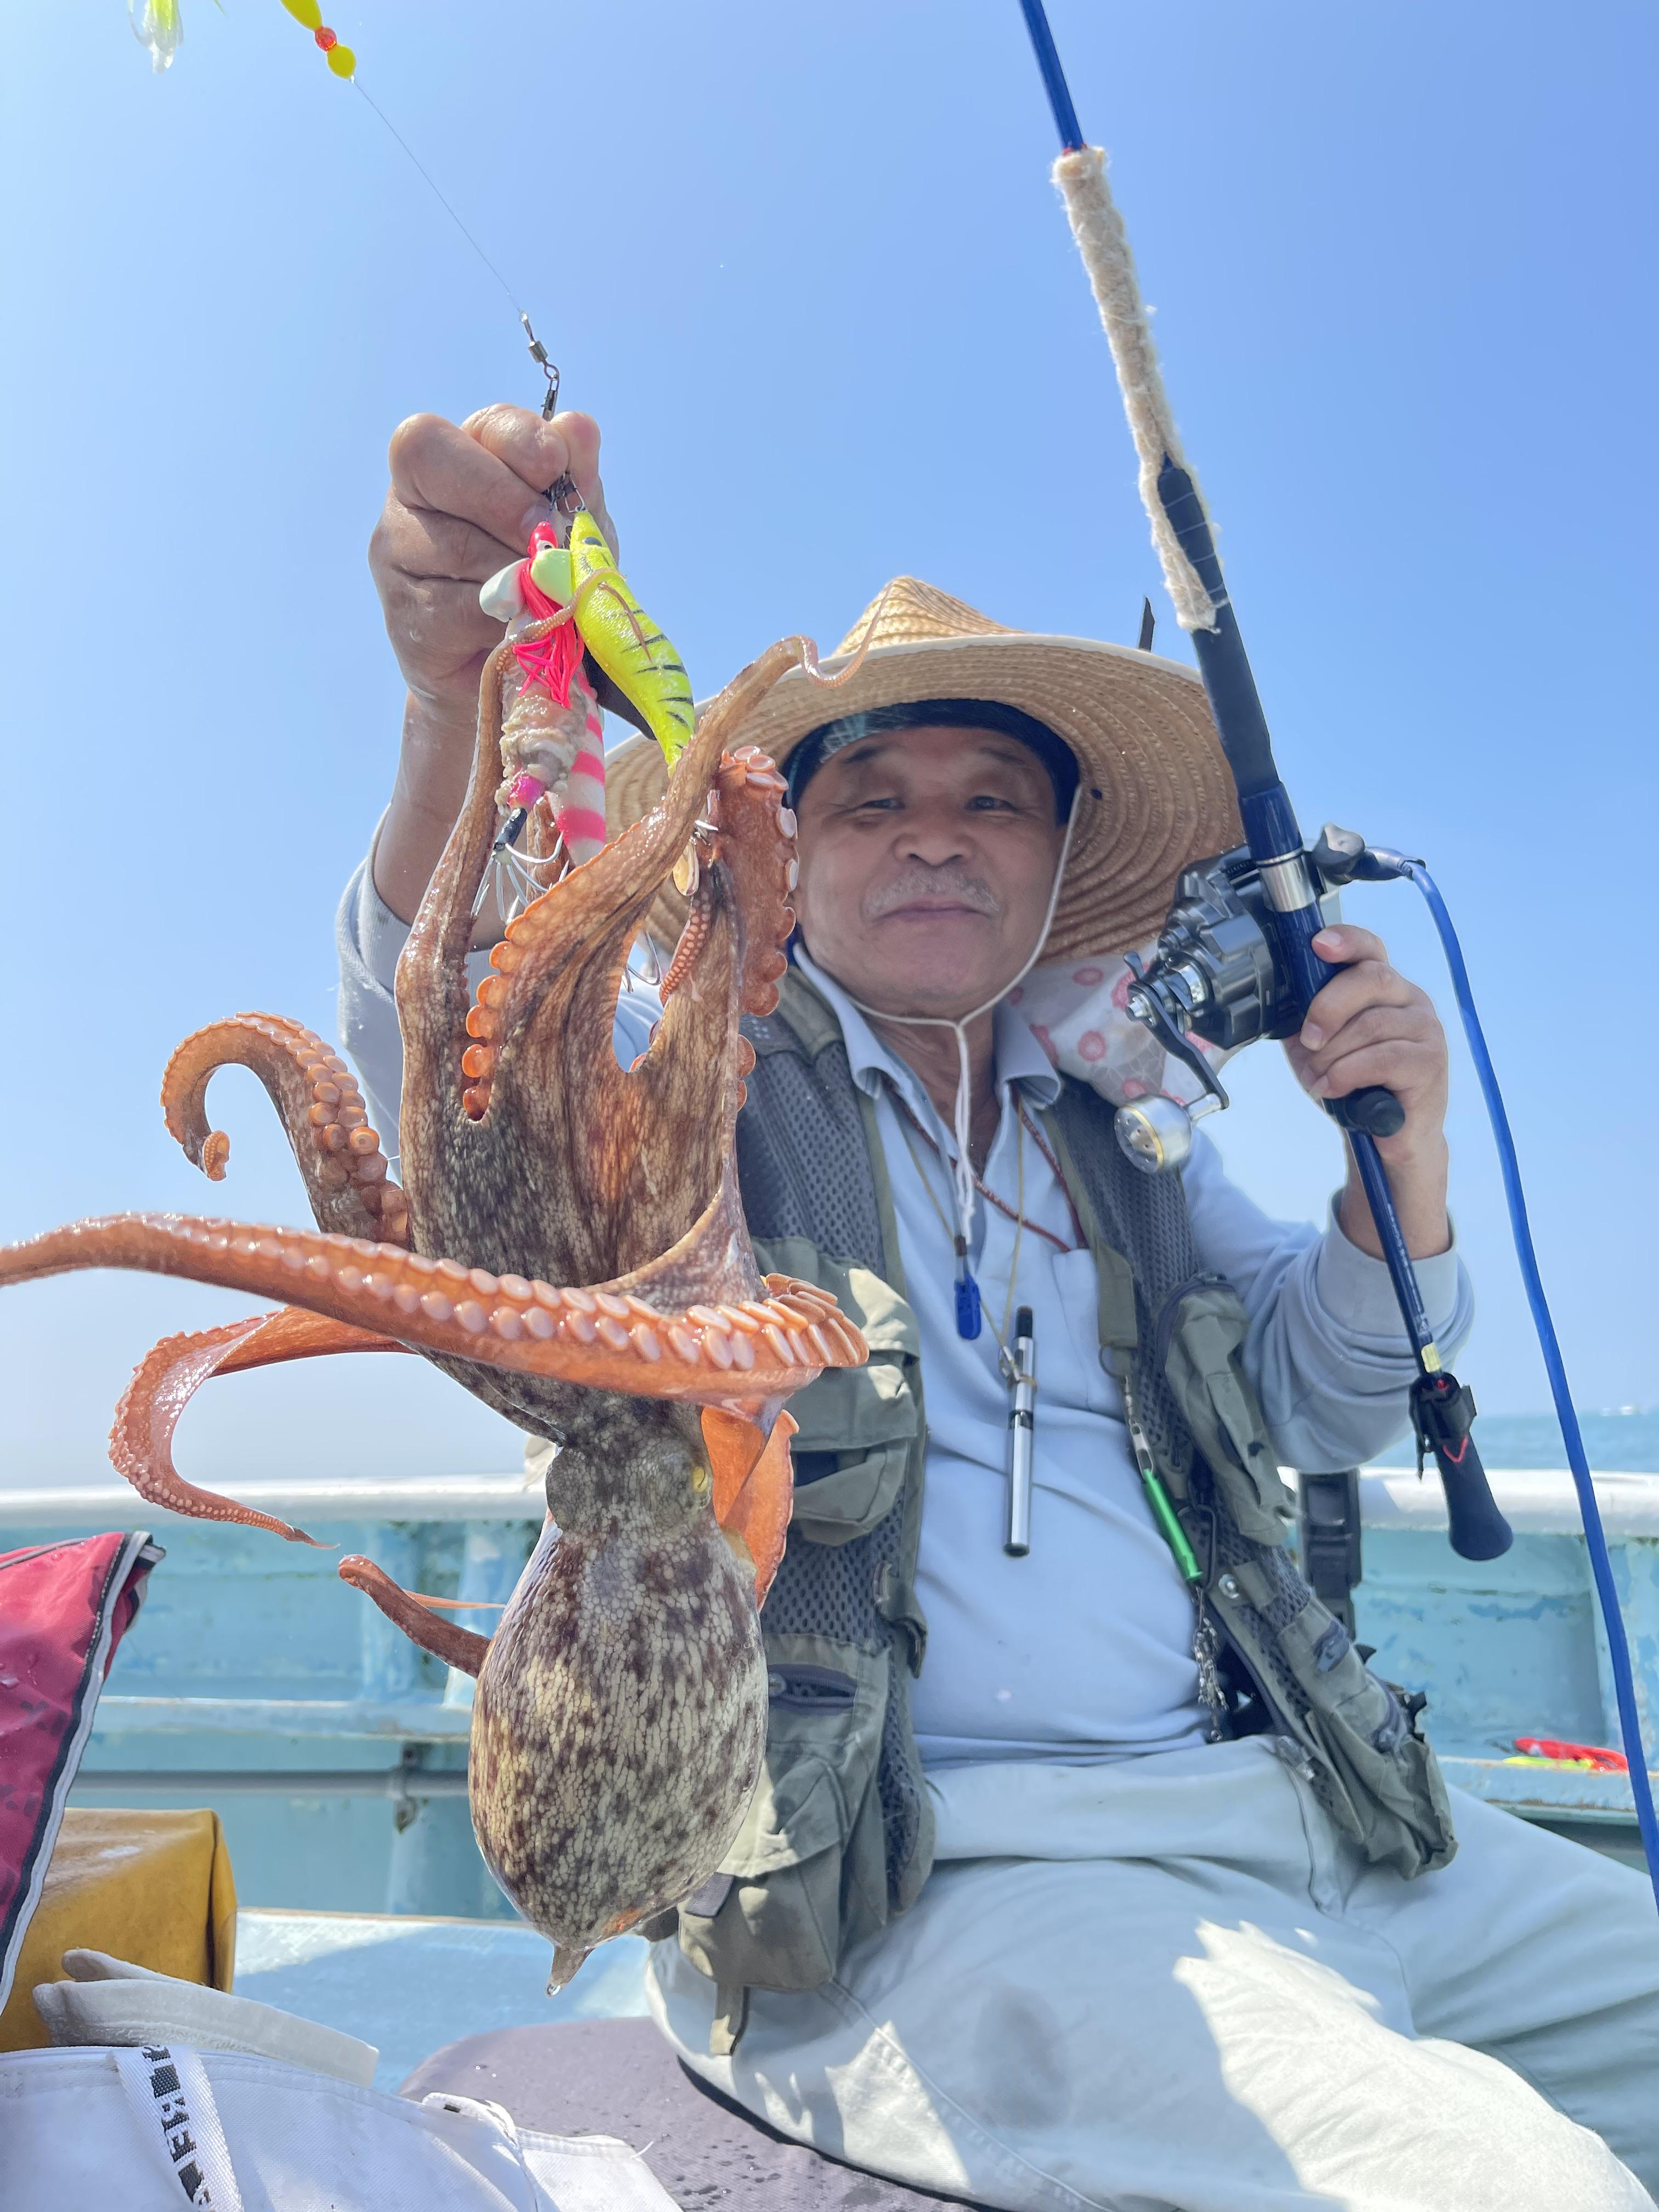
[{"x": 968, "y": 1306}]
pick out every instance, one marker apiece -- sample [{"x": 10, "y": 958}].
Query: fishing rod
[{"x": 1235, "y": 959}]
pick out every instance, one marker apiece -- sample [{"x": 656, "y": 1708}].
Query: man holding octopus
[{"x": 1060, "y": 1888}]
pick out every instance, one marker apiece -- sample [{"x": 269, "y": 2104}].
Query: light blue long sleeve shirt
[{"x": 1084, "y": 1648}]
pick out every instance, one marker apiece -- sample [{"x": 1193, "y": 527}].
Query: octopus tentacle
[
  {"x": 607, "y": 1338},
  {"x": 446, "y": 1639},
  {"x": 699, "y": 922},
  {"x": 754, "y": 837},
  {"x": 604, "y": 903},
  {"x": 757, "y": 850},
  {"x": 321, "y": 1108},
  {"x": 754, "y": 1485},
  {"x": 678, "y": 1105},
  {"x": 170, "y": 1374},
  {"x": 485, "y": 1158}
]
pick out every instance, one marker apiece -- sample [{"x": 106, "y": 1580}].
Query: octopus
[{"x": 568, "y": 1244}]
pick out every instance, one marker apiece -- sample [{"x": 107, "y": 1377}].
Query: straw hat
[{"x": 1156, "y": 794}]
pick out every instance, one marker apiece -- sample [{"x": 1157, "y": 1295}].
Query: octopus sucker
[
  {"x": 321, "y": 1108},
  {"x": 568, "y": 1244}
]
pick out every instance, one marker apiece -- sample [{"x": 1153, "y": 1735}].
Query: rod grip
[{"x": 1443, "y": 1414}]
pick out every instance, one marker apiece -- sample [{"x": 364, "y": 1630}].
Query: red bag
[{"x": 64, "y": 1608}]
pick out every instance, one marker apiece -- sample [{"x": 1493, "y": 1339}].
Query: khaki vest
[{"x": 839, "y": 1835}]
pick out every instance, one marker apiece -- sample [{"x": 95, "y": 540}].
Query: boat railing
[{"x": 335, "y": 1752}]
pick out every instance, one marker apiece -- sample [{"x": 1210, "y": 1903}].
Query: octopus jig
[{"x": 564, "y": 607}]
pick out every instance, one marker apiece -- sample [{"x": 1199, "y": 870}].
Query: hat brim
[{"x": 1155, "y": 793}]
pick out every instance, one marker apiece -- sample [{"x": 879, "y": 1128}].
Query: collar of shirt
[{"x": 1019, "y": 1057}]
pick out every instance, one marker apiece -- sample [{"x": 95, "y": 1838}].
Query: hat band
[{"x": 830, "y": 738}]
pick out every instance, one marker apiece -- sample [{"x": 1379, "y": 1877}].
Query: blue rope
[{"x": 1595, "y": 1536}]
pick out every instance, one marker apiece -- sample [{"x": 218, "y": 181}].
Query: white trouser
[{"x": 1168, "y": 1983}]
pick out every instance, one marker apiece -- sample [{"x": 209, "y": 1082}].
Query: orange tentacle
[
  {"x": 698, "y": 923},
  {"x": 606, "y": 1338},
  {"x": 446, "y": 1639},
  {"x": 170, "y": 1374},
  {"x": 757, "y": 849},
  {"x": 754, "y": 1485},
  {"x": 617, "y": 885},
  {"x": 322, "y": 1111}
]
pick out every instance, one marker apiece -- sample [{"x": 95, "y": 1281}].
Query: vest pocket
[
  {"x": 855, "y": 1496},
  {"x": 857, "y": 1425},
  {"x": 1387, "y": 1784},
  {"x": 807, "y": 1875},
  {"x": 1200, "y": 1345}
]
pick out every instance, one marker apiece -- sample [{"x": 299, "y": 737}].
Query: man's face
[{"x": 926, "y": 861}]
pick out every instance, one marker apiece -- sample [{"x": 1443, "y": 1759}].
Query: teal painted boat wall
[
  {"x": 252, "y": 1660},
  {"x": 250, "y": 1656}
]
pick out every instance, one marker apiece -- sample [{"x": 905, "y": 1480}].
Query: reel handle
[{"x": 1443, "y": 1412}]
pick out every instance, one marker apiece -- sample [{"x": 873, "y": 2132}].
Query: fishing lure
[
  {"x": 552, "y": 742},
  {"x": 561, "y": 603},
  {"x": 158, "y": 25},
  {"x": 615, "y": 628}
]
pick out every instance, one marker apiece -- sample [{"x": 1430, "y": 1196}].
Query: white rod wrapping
[{"x": 1105, "y": 245}]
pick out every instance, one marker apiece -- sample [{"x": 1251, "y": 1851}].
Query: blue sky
[{"x": 805, "y": 265}]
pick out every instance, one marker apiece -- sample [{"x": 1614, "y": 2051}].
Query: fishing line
[
  {"x": 1566, "y": 1414},
  {"x": 537, "y": 351},
  {"x": 158, "y": 25},
  {"x": 437, "y": 194}
]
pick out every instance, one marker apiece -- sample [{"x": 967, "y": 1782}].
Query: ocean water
[{"x": 1622, "y": 1442}]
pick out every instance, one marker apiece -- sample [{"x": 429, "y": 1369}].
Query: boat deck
[{"x": 409, "y": 1985}]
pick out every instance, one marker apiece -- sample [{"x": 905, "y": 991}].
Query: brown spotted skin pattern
[
  {"x": 568, "y": 1244},
  {"x": 621, "y": 1710}
]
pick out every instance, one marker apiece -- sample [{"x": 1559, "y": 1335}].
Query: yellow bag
[{"x": 152, "y": 1888}]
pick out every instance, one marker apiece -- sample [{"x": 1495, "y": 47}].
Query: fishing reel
[{"x": 1215, "y": 975}]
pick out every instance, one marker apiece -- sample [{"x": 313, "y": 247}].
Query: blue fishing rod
[{"x": 1235, "y": 959}]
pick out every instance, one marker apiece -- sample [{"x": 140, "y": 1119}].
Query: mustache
[{"x": 948, "y": 883}]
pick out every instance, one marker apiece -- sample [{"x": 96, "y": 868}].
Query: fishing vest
[{"x": 839, "y": 1835}]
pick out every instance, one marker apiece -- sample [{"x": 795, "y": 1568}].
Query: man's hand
[
  {"x": 1370, "y": 1025},
  {"x": 464, "y": 500}
]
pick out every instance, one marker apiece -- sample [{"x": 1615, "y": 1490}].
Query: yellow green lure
[{"x": 615, "y": 628}]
